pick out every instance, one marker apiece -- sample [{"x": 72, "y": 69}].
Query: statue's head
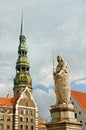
[{"x": 59, "y": 58}]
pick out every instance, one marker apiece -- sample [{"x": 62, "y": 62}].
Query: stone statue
[{"x": 62, "y": 83}]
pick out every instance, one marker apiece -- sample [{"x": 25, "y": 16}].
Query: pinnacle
[{"x": 22, "y": 25}]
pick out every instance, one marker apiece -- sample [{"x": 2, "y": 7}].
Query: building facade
[
  {"x": 20, "y": 112},
  {"x": 78, "y": 99}
]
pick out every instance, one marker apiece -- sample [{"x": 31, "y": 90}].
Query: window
[
  {"x": 8, "y": 126},
  {"x": 1, "y": 109},
  {"x": 21, "y": 119},
  {"x": 26, "y": 119},
  {"x": 8, "y": 110},
  {"x": 21, "y": 127},
  {"x": 32, "y": 120},
  {"x": 75, "y": 115},
  {"x": 26, "y": 111},
  {"x": 26, "y": 127},
  {"x": 8, "y": 118},
  {"x": 1, "y": 126},
  {"x": 32, "y": 127},
  {"x": 1, "y": 117},
  {"x": 21, "y": 111},
  {"x": 80, "y": 121},
  {"x": 79, "y": 112},
  {"x": 31, "y": 112}
]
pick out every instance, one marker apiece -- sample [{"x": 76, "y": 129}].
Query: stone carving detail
[{"x": 62, "y": 83}]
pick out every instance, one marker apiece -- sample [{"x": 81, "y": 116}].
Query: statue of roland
[{"x": 62, "y": 83}]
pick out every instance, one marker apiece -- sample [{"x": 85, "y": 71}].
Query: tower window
[
  {"x": 23, "y": 68},
  {"x": 23, "y": 53},
  {"x": 19, "y": 53}
]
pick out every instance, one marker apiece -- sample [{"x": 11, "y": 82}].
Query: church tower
[{"x": 22, "y": 78}]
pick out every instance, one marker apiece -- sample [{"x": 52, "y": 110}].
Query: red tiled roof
[
  {"x": 80, "y": 97},
  {"x": 5, "y": 101},
  {"x": 8, "y": 102}
]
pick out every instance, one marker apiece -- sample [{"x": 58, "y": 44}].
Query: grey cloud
[
  {"x": 49, "y": 24},
  {"x": 44, "y": 101}
]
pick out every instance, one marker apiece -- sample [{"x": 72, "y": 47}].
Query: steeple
[
  {"x": 22, "y": 25},
  {"x": 22, "y": 78}
]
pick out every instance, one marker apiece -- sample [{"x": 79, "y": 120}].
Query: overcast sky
[{"x": 57, "y": 26}]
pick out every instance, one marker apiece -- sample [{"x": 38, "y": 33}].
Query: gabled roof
[
  {"x": 80, "y": 98},
  {"x": 8, "y": 101}
]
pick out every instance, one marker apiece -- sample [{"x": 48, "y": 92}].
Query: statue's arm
[{"x": 62, "y": 69}]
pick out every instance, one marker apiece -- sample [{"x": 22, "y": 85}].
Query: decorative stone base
[
  {"x": 63, "y": 118},
  {"x": 66, "y": 125}
]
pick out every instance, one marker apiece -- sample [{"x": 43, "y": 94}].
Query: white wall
[{"x": 81, "y": 115}]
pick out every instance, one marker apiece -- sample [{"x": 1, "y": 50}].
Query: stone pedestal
[{"x": 63, "y": 118}]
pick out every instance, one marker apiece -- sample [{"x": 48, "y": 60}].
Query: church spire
[
  {"x": 22, "y": 78},
  {"x": 22, "y": 25}
]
